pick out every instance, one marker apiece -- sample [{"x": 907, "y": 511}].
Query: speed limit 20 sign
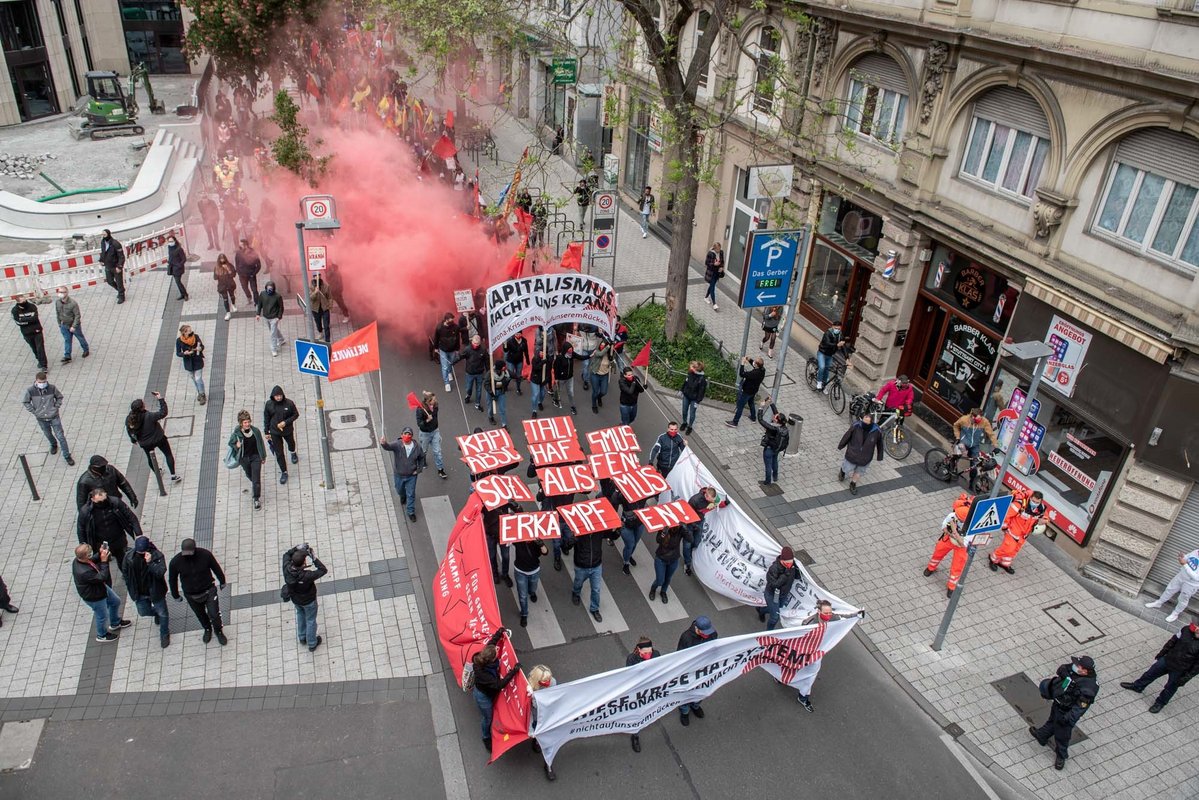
[
  {"x": 319, "y": 211},
  {"x": 604, "y": 204}
]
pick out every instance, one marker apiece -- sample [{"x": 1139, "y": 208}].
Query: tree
[
  {"x": 239, "y": 34},
  {"x": 291, "y": 150}
]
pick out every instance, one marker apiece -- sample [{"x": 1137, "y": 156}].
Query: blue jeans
[
  {"x": 628, "y": 414},
  {"x": 744, "y": 402},
  {"x": 474, "y": 388},
  {"x": 447, "y": 365},
  {"x": 53, "y": 427},
  {"x": 687, "y": 708},
  {"x": 599, "y": 388},
  {"x": 630, "y": 537},
  {"x": 107, "y": 611},
  {"x": 697, "y": 536},
  {"x": 524, "y": 585},
  {"x": 585, "y": 372},
  {"x": 689, "y": 407},
  {"x": 593, "y": 574},
  {"x": 663, "y": 571},
  {"x": 711, "y": 290},
  {"x": 770, "y": 458},
  {"x": 645, "y": 223},
  {"x": 485, "y": 710},
  {"x": 569, "y": 383},
  {"x": 306, "y": 624},
  {"x": 1155, "y": 671},
  {"x": 774, "y": 601},
  {"x": 148, "y": 608},
  {"x": 197, "y": 380},
  {"x": 537, "y": 392},
  {"x": 514, "y": 369},
  {"x": 406, "y": 489},
  {"x": 822, "y": 362},
  {"x": 501, "y": 408},
  {"x": 501, "y": 555},
  {"x": 430, "y": 441},
  {"x": 67, "y": 336}
]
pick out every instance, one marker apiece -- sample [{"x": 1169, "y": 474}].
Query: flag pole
[{"x": 382, "y": 412}]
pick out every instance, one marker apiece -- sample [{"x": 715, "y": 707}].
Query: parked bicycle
[
  {"x": 833, "y": 387},
  {"x": 895, "y": 439},
  {"x": 947, "y": 467}
]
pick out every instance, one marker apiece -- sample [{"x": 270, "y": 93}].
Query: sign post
[
  {"x": 774, "y": 266},
  {"x": 604, "y": 208}
]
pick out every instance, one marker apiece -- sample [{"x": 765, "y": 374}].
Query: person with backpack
[
  {"x": 144, "y": 429},
  {"x": 862, "y": 442},
  {"x": 774, "y": 440},
  {"x": 694, "y": 388},
  {"x": 190, "y": 348},
  {"x": 486, "y": 683}
]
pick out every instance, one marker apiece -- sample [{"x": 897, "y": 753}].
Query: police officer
[
  {"x": 1178, "y": 660},
  {"x": 1073, "y": 690}
]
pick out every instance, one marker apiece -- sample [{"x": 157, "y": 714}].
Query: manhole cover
[{"x": 1074, "y": 623}]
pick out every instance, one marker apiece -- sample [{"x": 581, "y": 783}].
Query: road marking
[
  {"x": 643, "y": 573},
  {"x": 721, "y": 602},
  {"x": 543, "y": 628},
  {"x": 439, "y": 519},
  {"x": 613, "y": 619},
  {"x": 18, "y": 742}
]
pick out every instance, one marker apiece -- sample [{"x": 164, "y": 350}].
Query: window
[
  {"x": 636, "y": 171},
  {"x": 1004, "y": 158},
  {"x": 876, "y": 113},
  {"x": 1151, "y": 212},
  {"x": 768, "y": 51},
  {"x": 19, "y": 28},
  {"x": 701, "y": 25}
]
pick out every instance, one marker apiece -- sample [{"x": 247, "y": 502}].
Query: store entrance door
[
  {"x": 744, "y": 220},
  {"x": 920, "y": 353},
  {"x": 859, "y": 284}
]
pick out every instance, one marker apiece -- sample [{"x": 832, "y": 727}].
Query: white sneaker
[
  {"x": 345, "y": 320},
  {"x": 1174, "y": 615},
  {"x": 1155, "y": 604},
  {"x": 234, "y": 309},
  {"x": 715, "y": 307},
  {"x": 275, "y": 353},
  {"x": 447, "y": 387},
  {"x": 825, "y": 390},
  {"x": 819, "y": 386},
  {"x": 643, "y": 235},
  {"x": 227, "y": 315}
]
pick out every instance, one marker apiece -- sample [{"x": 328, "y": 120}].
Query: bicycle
[
  {"x": 944, "y": 466},
  {"x": 833, "y": 387}
]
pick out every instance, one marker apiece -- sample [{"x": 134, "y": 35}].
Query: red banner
[
  {"x": 571, "y": 479},
  {"x": 640, "y": 484},
  {"x": 667, "y": 515},
  {"x": 549, "y": 429},
  {"x": 618, "y": 439},
  {"x": 590, "y": 516},
  {"x": 529, "y": 527},
  {"x": 496, "y": 490},
  {"x": 545, "y": 454},
  {"x": 467, "y": 613},
  {"x": 605, "y": 465},
  {"x": 355, "y": 354},
  {"x": 476, "y": 443}
]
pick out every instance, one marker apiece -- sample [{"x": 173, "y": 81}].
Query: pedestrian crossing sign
[
  {"x": 312, "y": 358},
  {"x": 987, "y": 516}
]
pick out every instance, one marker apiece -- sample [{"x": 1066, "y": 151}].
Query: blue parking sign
[{"x": 769, "y": 262}]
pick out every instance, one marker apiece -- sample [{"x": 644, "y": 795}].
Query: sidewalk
[{"x": 872, "y": 548}]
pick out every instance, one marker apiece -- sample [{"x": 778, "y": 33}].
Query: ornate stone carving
[
  {"x": 935, "y": 61},
  {"x": 825, "y": 32},
  {"x": 1047, "y": 212},
  {"x": 877, "y": 39}
]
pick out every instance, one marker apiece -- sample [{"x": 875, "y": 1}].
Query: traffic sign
[
  {"x": 318, "y": 257},
  {"x": 320, "y": 211},
  {"x": 603, "y": 243},
  {"x": 769, "y": 263},
  {"x": 312, "y": 358},
  {"x": 603, "y": 204},
  {"x": 987, "y": 516}
]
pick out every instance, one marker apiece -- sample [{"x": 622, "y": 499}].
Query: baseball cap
[
  {"x": 704, "y": 626},
  {"x": 407, "y": 430},
  {"x": 1086, "y": 662}
]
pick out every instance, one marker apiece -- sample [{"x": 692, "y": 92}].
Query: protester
[
  {"x": 320, "y": 304},
  {"x": 752, "y": 372},
  {"x": 336, "y": 288},
  {"x": 1023, "y": 517},
  {"x": 667, "y": 449},
  {"x": 102, "y": 475},
  {"x": 447, "y": 337},
  {"x": 6, "y": 601},
  {"x": 145, "y": 578},
  {"x": 497, "y": 394},
  {"x": 247, "y": 443},
  {"x": 1178, "y": 660},
  {"x": 700, "y": 631},
  {"x": 94, "y": 585},
  {"x": 269, "y": 306},
  {"x": 226, "y": 284},
  {"x": 703, "y": 502},
  {"x": 1185, "y": 583},
  {"x": 144, "y": 429},
  {"x": 190, "y": 348},
  {"x": 780, "y": 579},
  {"x": 713, "y": 272},
  {"x": 666, "y": 558},
  {"x": 526, "y": 562},
  {"x": 541, "y": 376},
  {"x": 516, "y": 353},
  {"x": 488, "y": 683},
  {"x": 695, "y": 386},
  {"x": 500, "y": 554},
  {"x": 630, "y": 387},
  {"x": 642, "y": 651},
  {"x": 952, "y": 541},
  {"x": 24, "y": 313},
  {"x": 408, "y": 461},
  {"x": 106, "y": 520},
  {"x": 540, "y": 678},
  {"x": 601, "y": 368},
  {"x": 862, "y": 442},
  {"x": 824, "y": 614},
  {"x": 112, "y": 257},
  {"x": 589, "y": 566},
  {"x": 70, "y": 324},
  {"x": 210, "y": 217},
  {"x": 564, "y": 375},
  {"x": 588, "y": 342},
  {"x": 301, "y": 582},
  {"x": 620, "y": 337},
  {"x": 248, "y": 265},
  {"x": 44, "y": 401},
  {"x": 774, "y": 440},
  {"x": 477, "y": 359},
  {"x": 1073, "y": 691},
  {"x": 829, "y": 344},
  {"x": 428, "y": 434},
  {"x": 195, "y": 568},
  {"x": 177, "y": 265},
  {"x": 770, "y": 329},
  {"x": 647, "y": 206},
  {"x": 631, "y": 527}
]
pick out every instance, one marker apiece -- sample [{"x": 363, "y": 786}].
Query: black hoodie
[
  {"x": 109, "y": 478},
  {"x": 146, "y": 579},
  {"x": 275, "y": 412},
  {"x": 25, "y": 315}
]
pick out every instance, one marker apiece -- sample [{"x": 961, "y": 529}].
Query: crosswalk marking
[
  {"x": 613, "y": 619},
  {"x": 543, "y": 628},
  {"x": 719, "y": 600},
  {"x": 439, "y": 519},
  {"x": 643, "y": 573}
]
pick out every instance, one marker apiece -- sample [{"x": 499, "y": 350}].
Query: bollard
[
  {"x": 29, "y": 477},
  {"x": 162, "y": 489},
  {"x": 796, "y": 423}
]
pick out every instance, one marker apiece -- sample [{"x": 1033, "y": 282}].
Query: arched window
[
  {"x": 769, "y": 42},
  {"x": 878, "y": 100},
  {"x": 1008, "y": 142}
]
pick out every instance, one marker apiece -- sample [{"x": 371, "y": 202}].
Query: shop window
[
  {"x": 150, "y": 11},
  {"x": 850, "y": 226},
  {"x": 764, "y": 81},
  {"x": 967, "y": 357},
  {"x": 826, "y": 285},
  {"x": 1005, "y": 159},
  {"x": 981, "y": 293}
]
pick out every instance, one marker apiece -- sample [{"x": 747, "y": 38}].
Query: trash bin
[{"x": 795, "y": 422}]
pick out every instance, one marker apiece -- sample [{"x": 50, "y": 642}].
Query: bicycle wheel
[
  {"x": 836, "y": 397},
  {"x": 936, "y": 463},
  {"x": 813, "y": 369},
  {"x": 983, "y": 484},
  {"x": 896, "y": 444}
]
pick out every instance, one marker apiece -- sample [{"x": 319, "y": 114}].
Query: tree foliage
[
  {"x": 241, "y": 34},
  {"x": 292, "y": 150}
]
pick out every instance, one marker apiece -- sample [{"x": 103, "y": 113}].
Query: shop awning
[{"x": 1123, "y": 333}]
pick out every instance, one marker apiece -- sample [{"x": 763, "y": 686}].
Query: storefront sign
[
  {"x": 565, "y": 71},
  {"x": 654, "y": 134},
  {"x": 965, "y": 363},
  {"x": 1069, "y": 343},
  {"x": 969, "y": 286}
]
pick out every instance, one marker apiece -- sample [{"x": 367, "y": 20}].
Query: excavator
[{"x": 107, "y": 110}]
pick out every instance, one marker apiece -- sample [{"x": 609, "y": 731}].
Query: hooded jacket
[
  {"x": 109, "y": 522},
  {"x": 25, "y": 315},
  {"x": 246, "y": 262},
  {"x": 150, "y": 433},
  {"x": 276, "y": 411},
  {"x": 67, "y": 312},
  {"x": 109, "y": 479},
  {"x": 426, "y": 418},
  {"x": 629, "y": 390},
  {"x": 516, "y": 351},
  {"x": 195, "y": 572},
  {"x": 588, "y": 550},
  {"x": 270, "y": 303},
  {"x": 540, "y": 372},
  {"x": 112, "y": 254},
  {"x": 670, "y": 540},
  {"x": 498, "y": 384},
  {"x": 406, "y": 464},
  {"x": 146, "y": 579},
  {"x": 564, "y": 366},
  {"x": 695, "y": 387},
  {"x": 1181, "y": 653},
  {"x": 42, "y": 403},
  {"x": 448, "y": 337},
  {"x": 862, "y": 443},
  {"x": 303, "y": 581}
]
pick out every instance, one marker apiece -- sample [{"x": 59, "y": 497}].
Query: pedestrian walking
[
  {"x": 144, "y": 429},
  {"x": 648, "y": 205},
  {"x": 582, "y": 193},
  {"x": 70, "y": 324},
  {"x": 780, "y": 579},
  {"x": 588, "y": 554},
  {"x": 301, "y": 582},
  {"x": 751, "y": 372},
  {"x": 112, "y": 256},
  {"x": 1026, "y": 513},
  {"x": 279, "y": 415},
  {"x": 713, "y": 272},
  {"x": 1073, "y": 690},
  {"x": 195, "y": 568},
  {"x": 6, "y": 601},
  {"x": 771, "y": 318},
  {"x": 497, "y": 394},
  {"x": 630, "y": 389},
  {"x": 477, "y": 360},
  {"x": 969, "y": 430},
  {"x": 952, "y": 541},
  {"x": 862, "y": 442},
  {"x": 1185, "y": 583},
  {"x": 698, "y": 632},
  {"x": 1178, "y": 660},
  {"x": 189, "y": 347},
  {"x": 106, "y": 520},
  {"x": 472, "y": 323},
  {"x": 666, "y": 558},
  {"x": 177, "y": 265},
  {"x": 428, "y": 433},
  {"x": 540, "y": 677},
  {"x": 541, "y": 377},
  {"x": 44, "y": 401},
  {"x": 500, "y": 554},
  {"x": 247, "y": 264},
  {"x": 336, "y": 289},
  {"x": 703, "y": 502},
  {"x": 408, "y": 459},
  {"x": 94, "y": 585},
  {"x": 447, "y": 338},
  {"x": 823, "y": 615},
  {"x": 667, "y": 449},
  {"x": 564, "y": 376},
  {"x": 643, "y": 651},
  {"x": 774, "y": 440},
  {"x": 247, "y": 443},
  {"x": 588, "y": 342},
  {"x": 320, "y": 303},
  {"x": 516, "y": 353},
  {"x": 102, "y": 475},
  {"x": 226, "y": 284},
  {"x": 210, "y": 217},
  {"x": 269, "y": 306},
  {"x": 601, "y": 368},
  {"x": 24, "y": 313},
  {"x": 830, "y": 343},
  {"x": 145, "y": 571},
  {"x": 488, "y": 683},
  {"x": 526, "y": 564},
  {"x": 631, "y": 528},
  {"x": 695, "y": 386}
]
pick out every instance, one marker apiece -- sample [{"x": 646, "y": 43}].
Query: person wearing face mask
[
  {"x": 667, "y": 449},
  {"x": 629, "y": 388},
  {"x": 969, "y": 431},
  {"x": 447, "y": 338},
  {"x": 70, "y": 324},
  {"x": 1022, "y": 519},
  {"x": 897, "y": 393},
  {"x": 226, "y": 284},
  {"x": 1073, "y": 690},
  {"x": 112, "y": 256},
  {"x": 951, "y": 541},
  {"x": 564, "y": 375},
  {"x": 279, "y": 414},
  {"x": 780, "y": 579},
  {"x": 247, "y": 442},
  {"x": 1185, "y": 583},
  {"x": 320, "y": 302},
  {"x": 144, "y": 429},
  {"x": 44, "y": 401},
  {"x": 94, "y": 585},
  {"x": 700, "y": 631},
  {"x": 101, "y": 474},
  {"x": 1178, "y": 660},
  {"x": 190, "y": 348},
  {"x": 497, "y": 393},
  {"x": 24, "y": 313},
  {"x": 428, "y": 432},
  {"x": 408, "y": 462},
  {"x": 195, "y": 568},
  {"x": 695, "y": 386},
  {"x": 270, "y": 307},
  {"x": 106, "y": 520},
  {"x": 824, "y": 614},
  {"x": 862, "y": 443},
  {"x": 145, "y": 571},
  {"x": 516, "y": 353},
  {"x": 541, "y": 377},
  {"x": 774, "y": 441},
  {"x": 830, "y": 343},
  {"x": 644, "y": 651},
  {"x": 477, "y": 358},
  {"x": 176, "y": 265}
]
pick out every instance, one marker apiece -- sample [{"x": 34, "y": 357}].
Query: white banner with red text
[{"x": 543, "y": 300}]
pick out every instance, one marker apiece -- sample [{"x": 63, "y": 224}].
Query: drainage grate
[
  {"x": 1074, "y": 623},
  {"x": 1023, "y": 695}
]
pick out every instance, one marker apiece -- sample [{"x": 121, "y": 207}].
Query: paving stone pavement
[{"x": 871, "y": 549}]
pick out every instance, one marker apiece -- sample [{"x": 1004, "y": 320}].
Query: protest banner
[
  {"x": 590, "y": 516},
  {"x": 355, "y": 354},
  {"x": 529, "y": 527},
  {"x": 544, "y": 300},
  {"x": 481, "y": 463},
  {"x": 549, "y": 429},
  {"x": 546, "y": 454},
  {"x": 497, "y": 490},
  {"x": 570, "y": 479},
  {"x": 475, "y": 443},
  {"x": 628, "y": 699},
  {"x": 667, "y": 515},
  {"x": 605, "y": 465},
  {"x": 640, "y": 483},
  {"x": 617, "y": 439}
]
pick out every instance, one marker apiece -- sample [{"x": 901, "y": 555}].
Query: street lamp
[{"x": 1021, "y": 351}]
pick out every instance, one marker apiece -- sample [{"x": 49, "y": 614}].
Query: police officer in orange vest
[
  {"x": 1027, "y": 512},
  {"x": 951, "y": 541}
]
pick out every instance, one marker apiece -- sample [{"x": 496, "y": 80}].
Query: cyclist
[
  {"x": 969, "y": 431},
  {"x": 897, "y": 393},
  {"x": 951, "y": 541},
  {"x": 1026, "y": 513},
  {"x": 829, "y": 345}
]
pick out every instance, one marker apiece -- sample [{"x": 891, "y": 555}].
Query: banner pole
[{"x": 382, "y": 411}]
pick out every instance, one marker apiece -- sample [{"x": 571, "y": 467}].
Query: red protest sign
[
  {"x": 604, "y": 465},
  {"x": 545, "y": 454},
  {"x": 481, "y": 463},
  {"x": 640, "y": 483},
  {"x": 549, "y": 429},
  {"x": 667, "y": 515},
  {"x": 496, "y": 490},
  {"x": 475, "y": 443},
  {"x": 617, "y": 439},
  {"x": 529, "y": 527},
  {"x": 570, "y": 479},
  {"x": 590, "y": 516},
  {"x": 355, "y": 354}
]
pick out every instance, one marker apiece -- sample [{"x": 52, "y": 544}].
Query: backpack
[{"x": 468, "y": 677}]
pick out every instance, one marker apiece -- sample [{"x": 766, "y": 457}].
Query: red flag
[
  {"x": 413, "y": 402},
  {"x": 449, "y": 119},
  {"x": 524, "y": 221},
  {"x": 642, "y": 359},
  {"x": 572, "y": 259},
  {"x": 355, "y": 354},
  {"x": 312, "y": 88},
  {"x": 443, "y": 148},
  {"x": 516, "y": 264}
]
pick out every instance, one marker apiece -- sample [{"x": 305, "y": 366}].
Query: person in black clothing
[
  {"x": 1073, "y": 690},
  {"x": 6, "y": 601},
  {"x": 780, "y": 579},
  {"x": 516, "y": 353},
  {"x": 564, "y": 375},
  {"x": 488, "y": 683},
  {"x": 248, "y": 265},
  {"x": 145, "y": 430},
  {"x": 861, "y": 442},
  {"x": 630, "y": 529},
  {"x": 497, "y": 393},
  {"x": 644, "y": 651},
  {"x": 278, "y": 416},
  {"x": 107, "y": 519},
  {"x": 705, "y": 501},
  {"x": 666, "y": 558},
  {"x": 629, "y": 387},
  {"x": 302, "y": 583},
  {"x": 667, "y": 449},
  {"x": 112, "y": 256},
  {"x": 830, "y": 343},
  {"x": 500, "y": 553},
  {"x": 94, "y": 584},
  {"x": 102, "y": 475},
  {"x": 541, "y": 376},
  {"x": 774, "y": 441},
  {"x": 246, "y": 440},
  {"x": 823, "y": 615},
  {"x": 477, "y": 358},
  {"x": 447, "y": 338},
  {"x": 194, "y": 568},
  {"x": 695, "y": 386},
  {"x": 582, "y": 194},
  {"x": 526, "y": 561},
  {"x": 589, "y": 566},
  {"x": 427, "y": 432},
  {"x": 1178, "y": 660},
  {"x": 24, "y": 313},
  {"x": 145, "y": 571},
  {"x": 700, "y": 631},
  {"x": 176, "y": 265},
  {"x": 752, "y": 372}
]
